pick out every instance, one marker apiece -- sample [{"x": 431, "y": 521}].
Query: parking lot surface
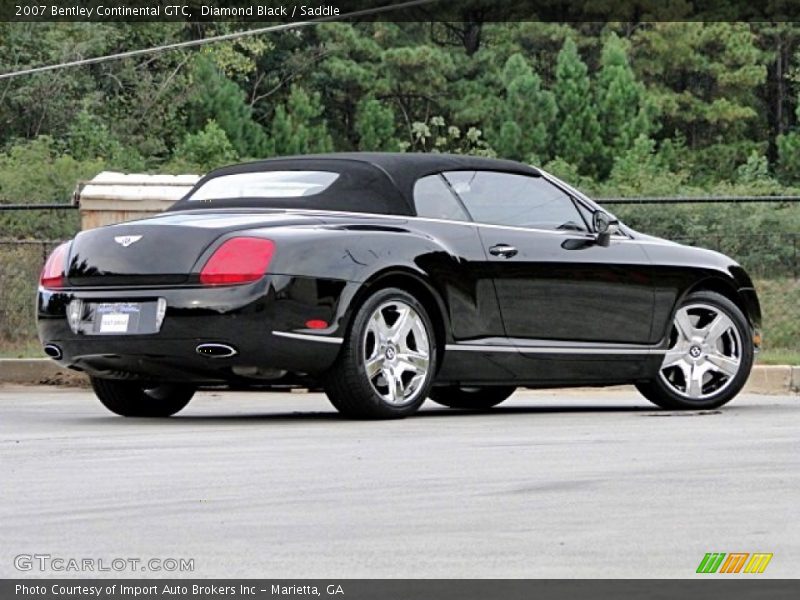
[{"x": 577, "y": 483}]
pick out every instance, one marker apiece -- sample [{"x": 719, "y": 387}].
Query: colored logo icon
[{"x": 734, "y": 562}]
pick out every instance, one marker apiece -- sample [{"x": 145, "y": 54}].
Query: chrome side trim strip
[
  {"x": 553, "y": 349},
  {"x": 481, "y": 348},
  {"x": 309, "y": 337}
]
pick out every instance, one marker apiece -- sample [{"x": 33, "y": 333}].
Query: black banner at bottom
[{"x": 397, "y": 589}]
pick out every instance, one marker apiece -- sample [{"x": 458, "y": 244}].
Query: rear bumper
[{"x": 263, "y": 321}]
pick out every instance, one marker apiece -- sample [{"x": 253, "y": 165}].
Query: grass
[
  {"x": 28, "y": 349},
  {"x": 778, "y": 357},
  {"x": 780, "y": 305}
]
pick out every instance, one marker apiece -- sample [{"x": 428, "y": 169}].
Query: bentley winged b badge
[{"x": 127, "y": 240}]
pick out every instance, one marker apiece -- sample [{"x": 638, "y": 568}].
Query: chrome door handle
[{"x": 503, "y": 250}]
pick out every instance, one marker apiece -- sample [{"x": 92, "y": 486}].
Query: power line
[{"x": 218, "y": 38}]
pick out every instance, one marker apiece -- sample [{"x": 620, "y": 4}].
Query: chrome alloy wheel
[
  {"x": 396, "y": 352},
  {"x": 705, "y": 352}
]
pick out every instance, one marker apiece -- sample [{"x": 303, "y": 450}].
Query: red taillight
[
  {"x": 53, "y": 273},
  {"x": 239, "y": 260}
]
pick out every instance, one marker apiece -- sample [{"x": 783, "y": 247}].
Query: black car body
[{"x": 515, "y": 297}]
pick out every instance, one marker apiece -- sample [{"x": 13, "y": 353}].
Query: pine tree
[
  {"x": 297, "y": 127},
  {"x": 219, "y": 99},
  {"x": 621, "y": 113},
  {"x": 705, "y": 79},
  {"x": 526, "y": 115},
  {"x": 578, "y": 133},
  {"x": 375, "y": 125}
]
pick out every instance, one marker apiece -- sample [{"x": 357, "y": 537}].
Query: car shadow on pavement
[{"x": 332, "y": 415}]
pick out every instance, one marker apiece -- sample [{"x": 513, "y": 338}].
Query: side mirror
[{"x": 604, "y": 226}]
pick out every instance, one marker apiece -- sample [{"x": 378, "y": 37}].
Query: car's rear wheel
[
  {"x": 709, "y": 357},
  {"x": 135, "y": 399},
  {"x": 473, "y": 398},
  {"x": 387, "y": 360}
]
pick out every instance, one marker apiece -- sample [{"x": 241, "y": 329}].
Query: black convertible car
[{"x": 387, "y": 279}]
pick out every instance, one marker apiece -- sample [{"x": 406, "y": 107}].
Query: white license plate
[{"x": 114, "y": 323}]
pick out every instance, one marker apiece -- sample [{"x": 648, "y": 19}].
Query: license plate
[
  {"x": 117, "y": 317},
  {"x": 114, "y": 323}
]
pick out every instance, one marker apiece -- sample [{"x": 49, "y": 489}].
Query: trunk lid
[{"x": 161, "y": 250}]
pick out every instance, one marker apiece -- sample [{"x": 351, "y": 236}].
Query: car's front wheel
[
  {"x": 709, "y": 357},
  {"x": 135, "y": 399},
  {"x": 387, "y": 361},
  {"x": 472, "y": 398}
]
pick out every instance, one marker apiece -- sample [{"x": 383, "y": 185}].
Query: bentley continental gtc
[{"x": 386, "y": 279}]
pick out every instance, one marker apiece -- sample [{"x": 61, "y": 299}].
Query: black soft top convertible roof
[{"x": 373, "y": 182}]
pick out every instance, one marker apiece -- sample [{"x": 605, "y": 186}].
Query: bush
[
  {"x": 37, "y": 172},
  {"x": 204, "y": 150}
]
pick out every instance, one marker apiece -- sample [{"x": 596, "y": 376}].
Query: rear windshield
[{"x": 265, "y": 184}]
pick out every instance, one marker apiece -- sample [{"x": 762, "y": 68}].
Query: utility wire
[{"x": 218, "y": 38}]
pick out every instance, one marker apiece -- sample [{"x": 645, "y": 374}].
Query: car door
[
  {"x": 467, "y": 288},
  {"x": 553, "y": 283}
]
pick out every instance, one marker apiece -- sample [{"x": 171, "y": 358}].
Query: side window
[
  {"x": 515, "y": 200},
  {"x": 433, "y": 199}
]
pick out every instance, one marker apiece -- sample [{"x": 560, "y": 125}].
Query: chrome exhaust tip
[
  {"x": 216, "y": 350},
  {"x": 53, "y": 351}
]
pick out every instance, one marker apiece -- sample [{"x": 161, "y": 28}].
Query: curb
[
  {"x": 764, "y": 379},
  {"x": 39, "y": 371},
  {"x": 773, "y": 379}
]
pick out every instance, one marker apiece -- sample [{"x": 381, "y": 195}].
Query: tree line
[{"x": 617, "y": 108}]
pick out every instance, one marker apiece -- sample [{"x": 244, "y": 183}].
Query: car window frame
[
  {"x": 588, "y": 228},
  {"x": 589, "y": 204},
  {"x": 453, "y": 194}
]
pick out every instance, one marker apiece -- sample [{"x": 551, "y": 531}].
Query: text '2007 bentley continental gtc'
[{"x": 386, "y": 279}]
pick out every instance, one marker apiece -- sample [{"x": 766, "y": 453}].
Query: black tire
[
  {"x": 347, "y": 384},
  {"x": 472, "y": 398},
  {"x": 662, "y": 394},
  {"x": 135, "y": 399}
]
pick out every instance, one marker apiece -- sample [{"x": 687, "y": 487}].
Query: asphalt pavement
[{"x": 578, "y": 483}]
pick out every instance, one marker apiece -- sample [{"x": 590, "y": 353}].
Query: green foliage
[
  {"x": 375, "y": 126},
  {"x": 414, "y": 78},
  {"x": 780, "y": 302},
  {"x": 38, "y": 172},
  {"x": 754, "y": 171},
  {"x": 789, "y": 156},
  {"x": 568, "y": 172},
  {"x": 645, "y": 108},
  {"x": 642, "y": 170},
  {"x": 704, "y": 79},
  {"x": 436, "y": 136},
  {"x": 88, "y": 138},
  {"x": 217, "y": 98},
  {"x": 527, "y": 114},
  {"x": 298, "y": 126},
  {"x": 20, "y": 266},
  {"x": 539, "y": 92},
  {"x": 577, "y": 138},
  {"x": 204, "y": 150},
  {"x": 621, "y": 111}
]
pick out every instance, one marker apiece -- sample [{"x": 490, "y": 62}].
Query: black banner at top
[{"x": 261, "y": 11}]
